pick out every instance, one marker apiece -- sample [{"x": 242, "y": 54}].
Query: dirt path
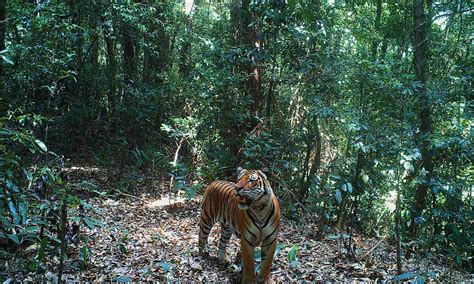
[{"x": 152, "y": 240}]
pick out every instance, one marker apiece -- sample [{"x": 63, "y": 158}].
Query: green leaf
[
  {"x": 11, "y": 186},
  {"x": 365, "y": 178},
  {"x": 257, "y": 255},
  {"x": 13, "y": 212},
  {"x": 6, "y": 59},
  {"x": 291, "y": 4},
  {"x": 39, "y": 222},
  {"x": 5, "y": 222},
  {"x": 123, "y": 279},
  {"x": 338, "y": 195},
  {"x": 14, "y": 238},
  {"x": 22, "y": 208},
  {"x": 165, "y": 266},
  {"x": 190, "y": 193},
  {"x": 347, "y": 187},
  {"x": 166, "y": 128},
  {"x": 408, "y": 166},
  {"x": 278, "y": 248},
  {"x": 333, "y": 237},
  {"x": 307, "y": 15},
  {"x": 5, "y": 132},
  {"x": 41, "y": 145},
  {"x": 29, "y": 175},
  {"x": 31, "y": 230},
  {"x": 84, "y": 254},
  {"x": 42, "y": 248},
  {"x": 123, "y": 249},
  {"x": 292, "y": 253},
  {"x": 178, "y": 186},
  {"x": 54, "y": 238},
  {"x": 89, "y": 222},
  {"x": 404, "y": 276},
  {"x": 419, "y": 280}
]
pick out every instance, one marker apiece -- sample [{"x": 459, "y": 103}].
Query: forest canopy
[{"x": 361, "y": 111}]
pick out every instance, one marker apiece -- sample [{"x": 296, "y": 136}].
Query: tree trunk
[
  {"x": 375, "y": 43},
  {"x": 317, "y": 159},
  {"x": 94, "y": 54},
  {"x": 62, "y": 238},
  {"x": 129, "y": 54},
  {"x": 235, "y": 13},
  {"x": 77, "y": 20},
  {"x": 384, "y": 48},
  {"x": 111, "y": 73},
  {"x": 303, "y": 188},
  {"x": 249, "y": 34},
  {"x": 420, "y": 61},
  {"x": 397, "y": 232},
  {"x": 154, "y": 63},
  {"x": 315, "y": 164},
  {"x": 75, "y": 88},
  {"x": 186, "y": 49},
  {"x": 3, "y": 28},
  {"x": 244, "y": 34},
  {"x": 190, "y": 6}
]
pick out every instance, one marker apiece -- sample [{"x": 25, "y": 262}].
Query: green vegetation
[{"x": 361, "y": 110}]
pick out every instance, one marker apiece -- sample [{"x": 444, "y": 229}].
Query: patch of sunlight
[
  {"x": 165, "y": 201},
  {"x": 84, "y": 169},
  {"x": 441, "y": 20},
  {"x": 189, "y": 7},
  {"x": 390, "y": 200},
  {"x": 111, "y": 202}
]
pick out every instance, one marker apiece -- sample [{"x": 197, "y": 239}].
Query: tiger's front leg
[
  {"x": 268, "y": 251},
  {"x": 249, "y": 265}
]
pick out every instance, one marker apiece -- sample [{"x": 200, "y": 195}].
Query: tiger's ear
[
  {"x": 264, "y": 172},
  {"x": 240, "y": 171}
]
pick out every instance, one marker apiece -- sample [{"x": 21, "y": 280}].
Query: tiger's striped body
[{"x": 250, "y": 210}]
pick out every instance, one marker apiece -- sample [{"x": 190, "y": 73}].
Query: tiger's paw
[
  {"x": 203, "y": 252},
  {"x": 249, "y": 278},
  {"x": 249, "y": 281},
  {"x": 224, "y": 258},
  {"x": 264, "y": 280},
  {"x": 267, "y": 281}
]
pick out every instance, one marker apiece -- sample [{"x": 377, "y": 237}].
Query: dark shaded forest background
[{"x": 361, "y": 110}]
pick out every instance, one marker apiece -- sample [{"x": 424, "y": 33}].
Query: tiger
[{"x": 250, "y": 210}]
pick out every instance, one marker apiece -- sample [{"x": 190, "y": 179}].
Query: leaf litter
[{"x": 155, "y": 239}]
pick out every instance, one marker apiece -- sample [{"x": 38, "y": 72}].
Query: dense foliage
[{"x": 363, "y": 125}]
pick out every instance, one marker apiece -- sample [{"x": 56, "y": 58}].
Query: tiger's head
[{"x": 253, "y": 188}]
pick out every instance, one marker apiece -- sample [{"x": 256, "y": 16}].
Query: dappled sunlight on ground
[
  {"x": 164, "y": 201},
  {"x": 149, "y": 239},
  {"x": 148, "y": 235}
]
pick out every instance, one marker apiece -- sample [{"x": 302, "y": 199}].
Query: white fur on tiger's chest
[
  {"x": 256, "y": 232},
  {"x": 267, "y": 231},
  {"x": 254, "y": 237}
]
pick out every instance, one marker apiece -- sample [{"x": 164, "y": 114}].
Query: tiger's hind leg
[
  {"x": 226, "y": 233},
  {"x": 205, "y": 227}
]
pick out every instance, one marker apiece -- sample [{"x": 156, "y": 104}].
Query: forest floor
[{"x": 151, "y": 238}]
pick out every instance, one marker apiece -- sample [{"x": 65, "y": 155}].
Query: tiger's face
[{"x": 253, "y": 188}]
